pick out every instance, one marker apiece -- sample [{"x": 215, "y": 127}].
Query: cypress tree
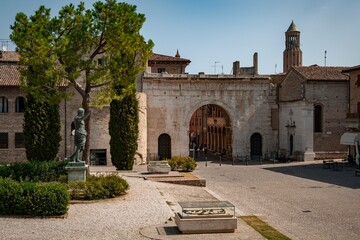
[
  {"x": 41, "y": 129},
  {"x": 124, "y": 131}
]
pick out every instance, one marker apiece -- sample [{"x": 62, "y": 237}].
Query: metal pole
[
  {"x": 220, "y": 160},
  {"x": 205, "y": 161}
]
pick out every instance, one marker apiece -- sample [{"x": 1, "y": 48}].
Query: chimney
[
  {"x": 236, "y": 68},
  {"x": 255, "y": 63}
]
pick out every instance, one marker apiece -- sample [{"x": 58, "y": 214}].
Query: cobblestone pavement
[{"x": 301, "y": 200}]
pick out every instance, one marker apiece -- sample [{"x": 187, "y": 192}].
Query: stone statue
[{"x": 80, "y": 134}]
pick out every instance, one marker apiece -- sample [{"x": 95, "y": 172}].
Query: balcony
[{"x": 352, "y": 121}]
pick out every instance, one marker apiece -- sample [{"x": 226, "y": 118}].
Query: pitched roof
[
  {"x": 9, "y": 56},
  {"x": 319, "y": 73},
  {"x": 355, "y": 68},
  {"x": 163, "y": 58},
  {"x": 9, "y": 75}
]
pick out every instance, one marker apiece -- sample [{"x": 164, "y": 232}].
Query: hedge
[
  {"x": 35, "y": 199},
  {"x": 35, "y": 171},
  {"x": 98, "y": 187}
]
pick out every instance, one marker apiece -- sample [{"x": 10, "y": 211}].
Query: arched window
[
  {"x": 318, "y": 118},
  {"x": 20, "y": 104},
  {"x": 3, "y": 104}
]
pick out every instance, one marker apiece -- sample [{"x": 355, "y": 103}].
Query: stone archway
[{"x": 210, "y": 127}]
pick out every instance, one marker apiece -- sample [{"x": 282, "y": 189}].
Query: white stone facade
[{"x": 172, "y": 99}]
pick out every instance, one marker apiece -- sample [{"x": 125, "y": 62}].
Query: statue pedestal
[{"x": 76, "y": 171}]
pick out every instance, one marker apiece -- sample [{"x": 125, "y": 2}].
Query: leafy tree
[
  {"x": 123, "y": 129},
  {"x": 41, "y": 130},
  {"x": 89, "y": 50}
]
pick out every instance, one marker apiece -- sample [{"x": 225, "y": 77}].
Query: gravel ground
[{"x": 119, "y": 218}]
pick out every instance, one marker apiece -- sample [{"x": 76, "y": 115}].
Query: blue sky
[{"x": 225, "y": 31}]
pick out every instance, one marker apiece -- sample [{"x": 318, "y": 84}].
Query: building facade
[
  {"x": 312, "y": 111},
  {"x": 299, "y": 114}
]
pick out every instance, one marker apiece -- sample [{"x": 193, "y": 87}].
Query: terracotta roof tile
[
  {"x": 322, "y": 73},
  {"x": 159, "y": 57},
  {"x": 9, "y": 56},
  {"x": 355, "y": 68},
  {"x": 9, "y": 75}
]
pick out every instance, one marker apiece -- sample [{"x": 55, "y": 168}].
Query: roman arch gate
[{"x": 230, "y": 113}]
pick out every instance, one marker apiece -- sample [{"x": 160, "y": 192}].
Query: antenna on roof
[
  {"x": 325, "y": 58},
  {"x": 215, "y": 66}
]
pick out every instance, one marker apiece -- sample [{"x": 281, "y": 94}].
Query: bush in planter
[
  {"x": 30, "y": 198},
  {"x": 182, "y": 163},
  {"x": 98, "y": 187}
]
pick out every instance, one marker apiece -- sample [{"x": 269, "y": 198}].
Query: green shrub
[
  {"x": 98, "y": 187},
  {"x": 30, "y": 198},
  {"x": 182, "y": 163},
  {"x": 11, "y": 195},
  {"x": 35, "y": 171}
]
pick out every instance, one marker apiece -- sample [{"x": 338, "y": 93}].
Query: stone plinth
[
  {"x": 158, "y": 167},
  {"x": 76, "y": 171},
  {"x": 206, "y": 217},
  {"x": 206, "y": 224}
]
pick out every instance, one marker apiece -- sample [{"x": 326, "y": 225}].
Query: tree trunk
[{"x": 86, "y": 107}]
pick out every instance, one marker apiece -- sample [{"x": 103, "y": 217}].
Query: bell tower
[{"x": 292, "y": 52}]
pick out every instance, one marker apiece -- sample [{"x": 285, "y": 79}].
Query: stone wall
[
  {"x": 11, "y": 123},
  {"x": 172, "y": 100},
  {"x": 333, "y": 97}
]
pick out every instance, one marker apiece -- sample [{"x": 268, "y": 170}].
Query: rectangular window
[
  {"x": 4, "y": 140},
  {"x": 160, "y": 70},
  {"x": 98, "y": 156},
  {"x": 19, "y": 140}
]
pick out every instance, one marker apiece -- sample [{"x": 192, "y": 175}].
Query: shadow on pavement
[{"x": 345, "y": 177}]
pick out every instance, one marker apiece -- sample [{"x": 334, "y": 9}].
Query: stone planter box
[
  {"x": 158, "y": 167},
  {"x": 206, "y": 217}
]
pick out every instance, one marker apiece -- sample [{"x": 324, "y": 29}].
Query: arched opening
[
  {"x": 20, "y": 104},
  {"x": 210, "y": 130},
  {"x": 164, "y": 146},
  {"x": 256, "y": 146}
]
